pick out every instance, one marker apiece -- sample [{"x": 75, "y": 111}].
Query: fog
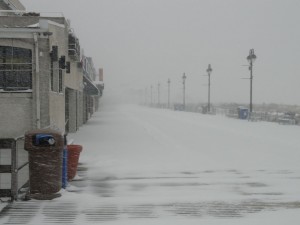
[{"x": 140, "y": 43}]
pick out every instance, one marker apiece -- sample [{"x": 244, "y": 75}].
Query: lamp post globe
[{"x": 183, "y": 82}]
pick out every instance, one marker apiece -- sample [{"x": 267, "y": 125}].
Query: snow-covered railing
[{"x": 14, "y": 168}]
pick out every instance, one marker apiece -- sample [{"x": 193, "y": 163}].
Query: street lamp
[
  {"x": 169, "y": 82},
  {"x": 146, "y": 96},
  {"x": 251, "y": 58},
  {"x": 158, "y": 94},
  {"x": 183, "y": 82},
  {"x": 209, "y": 70},
  {"x": 151, "y": 94}
]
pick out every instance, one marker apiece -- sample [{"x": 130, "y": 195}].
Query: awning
[{"x": 89, "y": 87}]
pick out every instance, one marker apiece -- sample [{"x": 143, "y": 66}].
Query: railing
[
  {"x": 74, "y": 47},
  {"x": 14, "y": 168},
  {"x": 14, "y": 4}
]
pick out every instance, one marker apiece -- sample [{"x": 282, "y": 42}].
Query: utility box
[{"x": 45, "y": 148}]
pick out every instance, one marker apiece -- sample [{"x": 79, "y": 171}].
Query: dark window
[
  {"x": 15, "y": 68},
  {"x": 51, "y": 76},
  {"x": 60, "y": 82}
]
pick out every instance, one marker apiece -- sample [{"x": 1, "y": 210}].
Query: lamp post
[
  {"x": 251, "y": 58},
  {"x": 183, "y": 82},
  {"x": 209, "y": 70},
  {"x": 151, "y": 90},
  {"x": 146, "y": 96},
  {"x": 169, "y": 82},
  {"x": 158, "y": 94}
]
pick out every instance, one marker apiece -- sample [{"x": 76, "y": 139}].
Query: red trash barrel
[{"x": 73, "y": 158}]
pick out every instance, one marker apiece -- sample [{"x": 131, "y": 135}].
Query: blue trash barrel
[
  {"x": 65, "y": 165},
  {"x": 243, "y": 113}
]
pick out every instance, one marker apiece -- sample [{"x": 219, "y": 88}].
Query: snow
[
  {"x": 36, "y": 25},
  {"x": 98, "y": 82},
  {"x": 143, "y": 165}
]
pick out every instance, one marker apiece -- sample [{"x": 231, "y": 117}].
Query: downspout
[{"x": 37, "y": 81}]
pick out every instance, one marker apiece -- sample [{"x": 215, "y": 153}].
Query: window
[
  {"x": 51, "y": 76},
  {"x": 15, "y": 68},
  {"x": 60, "y": 81}
]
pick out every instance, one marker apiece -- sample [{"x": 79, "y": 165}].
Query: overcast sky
[{"x": 139, "y": 43}]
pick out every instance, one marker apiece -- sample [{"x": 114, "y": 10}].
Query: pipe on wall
[{"x": 37, "y": 81}]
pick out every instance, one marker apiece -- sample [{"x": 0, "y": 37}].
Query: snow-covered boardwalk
[{"x": 152, "y": 166}]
